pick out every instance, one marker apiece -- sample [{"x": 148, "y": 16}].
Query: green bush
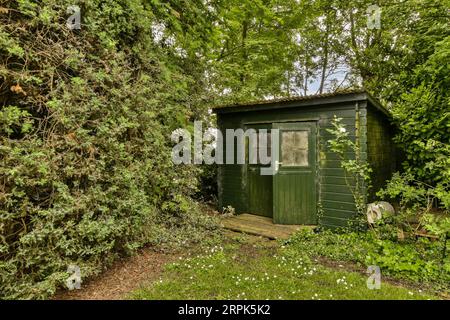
[
  {"x": 420, "y": 261},
  {"x": 422, "y": 114},
  {"x": 208, "y": 184},
  {"x": 85, "y": 123},
  {"x": 421, "y": 206}
]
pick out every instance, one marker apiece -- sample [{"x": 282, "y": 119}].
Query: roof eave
[
  {"x": 377, "y": 105},
  {"x": 261, "y": 106}
]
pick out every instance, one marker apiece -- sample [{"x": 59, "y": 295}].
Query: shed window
[{"x": 294, "y": 148}]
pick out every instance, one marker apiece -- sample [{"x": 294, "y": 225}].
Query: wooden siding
[
  {"x": 336, "y": 199},
  {"x": 382, "y": 152}
]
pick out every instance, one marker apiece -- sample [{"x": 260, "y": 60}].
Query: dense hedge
[{"x": 85, "y": 123}]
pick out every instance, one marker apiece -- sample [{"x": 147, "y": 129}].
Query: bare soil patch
[{"x": 122, "y": 277}]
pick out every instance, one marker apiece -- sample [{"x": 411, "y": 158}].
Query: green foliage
[
  {"x": 423, "y": 115},
  {"x": 208, "y": 183},
  {"x": 411, "y": 77},
  {"x": 85, "y": 123},
  {"x": 418, "y": 261},
  {"x": 274, "y": 48},
  {"x": 13, "y": 120},
  {"x": 86, "y": 115},
  {"x": 405, "y": 64},
  {"x": 413, "y": 193},
  {"x": 416, "y": 202}
]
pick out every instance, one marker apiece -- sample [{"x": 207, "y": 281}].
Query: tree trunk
[
  {"x": 244, "y": 49},
  {"x": 325, "y": 56}
]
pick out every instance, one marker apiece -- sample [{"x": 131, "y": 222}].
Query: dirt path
[
  {"x": 123, "y": 277},
  {"x": 129, "y": 274}
]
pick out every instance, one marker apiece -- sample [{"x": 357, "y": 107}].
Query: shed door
[
  {"x": 294, "y": 184},
  {"x": 259, "y": 186}
]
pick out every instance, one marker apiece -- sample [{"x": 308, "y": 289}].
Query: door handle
[{"x": 277, "y": 165}]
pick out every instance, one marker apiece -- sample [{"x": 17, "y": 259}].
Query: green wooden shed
[{"x": 309, "y": 187}]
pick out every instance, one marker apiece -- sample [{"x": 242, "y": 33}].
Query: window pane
[{"x": 294, "y": 148}]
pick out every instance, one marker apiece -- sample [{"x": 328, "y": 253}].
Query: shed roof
[{"x": 303, "y": 101}]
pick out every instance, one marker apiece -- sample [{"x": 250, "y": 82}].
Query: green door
[
  {"x": 259, "y": 187},
  {"x": 294, "y": 183}
]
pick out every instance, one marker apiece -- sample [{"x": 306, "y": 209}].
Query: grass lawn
[{"x": 246, "y": 267}]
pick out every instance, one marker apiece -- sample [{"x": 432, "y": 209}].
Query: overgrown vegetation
[
  {"x": 422, "y": 207},
  {"x": 394, "y": 243},
  {"x": 420, "y": 103},
  {"x": 253, "y": 269},
  {"x": 410, "y": 76},
  {"x": 86, "y": 115},
  {"x": 85, "y": 124},
  {"x": 420, "y": 261}
]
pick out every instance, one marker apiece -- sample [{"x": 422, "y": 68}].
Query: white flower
[{"x": 342, "y": 129}]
